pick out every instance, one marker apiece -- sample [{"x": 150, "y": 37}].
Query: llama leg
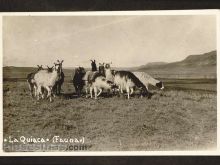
[
  {"x": 116, "y": 90},
  {"x": 80, "y": 90},
  {"x": 77, "y": 90},
  {"x": 50, "y": 97},
  {"x": 49, "y": 89},
  {"x": 35, "y": 90},
  {"x": 132, "y": 90},
  {"x": 48, "y": 92},
  {"x": 53, "y": 92},
  {"x": 95, "y": 91},
  {"x": 55, "y": 89},
  {"x": 86, "y": 87},
  {"x": 86, "y": 92},
  {"x": 128, "y": 90},
  {"x": 30, "y": 89},
  {"x": 109, "y": 92},
  {"x": 38, "y": 92},
  {"x": 141, "y": 93},
  {"x": 91, "y": 92},
  {"x": 100, "y": 91},
  {"x": 121, "y": 89},
  {"x": 59, "y": 89},
  {"x": 113, "y": 91},
  {"x": 42, "y": 92}
]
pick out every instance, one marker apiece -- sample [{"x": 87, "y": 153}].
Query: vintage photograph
[{"x": 77, "y": 83}]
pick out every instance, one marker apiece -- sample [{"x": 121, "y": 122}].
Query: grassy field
[{"x": 181, "y": 117}]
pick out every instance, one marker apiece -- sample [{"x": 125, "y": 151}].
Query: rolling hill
[{"x": 193, "y": 66}]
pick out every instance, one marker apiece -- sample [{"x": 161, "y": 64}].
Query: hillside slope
[{"x": 193, "y": 66}]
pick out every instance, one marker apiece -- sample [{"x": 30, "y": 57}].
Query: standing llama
[
  {"x": 78, "y": 81},
  {"x": 59, "y": 83},
  {"x": 47, "y": 80},
  {"x": 89, "y": 76},
  {"x": 31, "y": 81}
]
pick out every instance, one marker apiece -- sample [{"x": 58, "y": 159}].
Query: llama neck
[
  {"x": 102, "y": 71},
  {"x": 54, "y": 75},
  {"x": 81, "y": 75},
  {"x": 108, "y": 74},
  {"x": 60, "y": 69}
]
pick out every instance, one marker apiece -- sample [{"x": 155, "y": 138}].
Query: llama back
[
  {"x": 128, "y": 78},
  {"x": 146, "y": 79},
  {"x": 45, "y": 78},
  {"x": 109, "y": 75}
]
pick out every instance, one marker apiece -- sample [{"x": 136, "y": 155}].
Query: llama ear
[
  {"x": 62, "y": 61},
  {"x": 38, "y": 66}
]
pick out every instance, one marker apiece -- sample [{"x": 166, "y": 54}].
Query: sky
[{"x": 126, "y": 41}]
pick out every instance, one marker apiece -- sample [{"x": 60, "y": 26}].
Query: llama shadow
[
  {"x": 68, "y": 96},
  {"x": 73, "y": 95},
  {"x": 107, "y": 95},
  {"x": 137, "y": 95},
  {"x": 150, "y": 94}
]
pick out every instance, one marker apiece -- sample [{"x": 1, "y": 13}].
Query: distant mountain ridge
[
  {"x": 206, "y": 59},
  {"x": 193, "y": 66},
  {"x": 152, "y": 64}
]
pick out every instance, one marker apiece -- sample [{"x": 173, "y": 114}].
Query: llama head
[
  {"x": 40, "y": 67},
  {"x": 50, "y": 69},
  {"x": 93, "y": 64},
  {"x": 160, "y": 85},
  {"x": 80, "y": 70},
  {"x": 58, "y": 66},
  {"x": 107, "y": 65},
  {"x": 101, "y": 68},
  {"x": 59, "y": 62}
]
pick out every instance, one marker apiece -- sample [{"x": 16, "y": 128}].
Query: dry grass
[{"x": 171, "y": 120}]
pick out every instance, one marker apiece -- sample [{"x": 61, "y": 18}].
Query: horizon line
[{"x": 119, "y": 66}]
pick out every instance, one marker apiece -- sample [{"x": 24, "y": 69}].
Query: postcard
[{"x": 110, "y": 83}]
